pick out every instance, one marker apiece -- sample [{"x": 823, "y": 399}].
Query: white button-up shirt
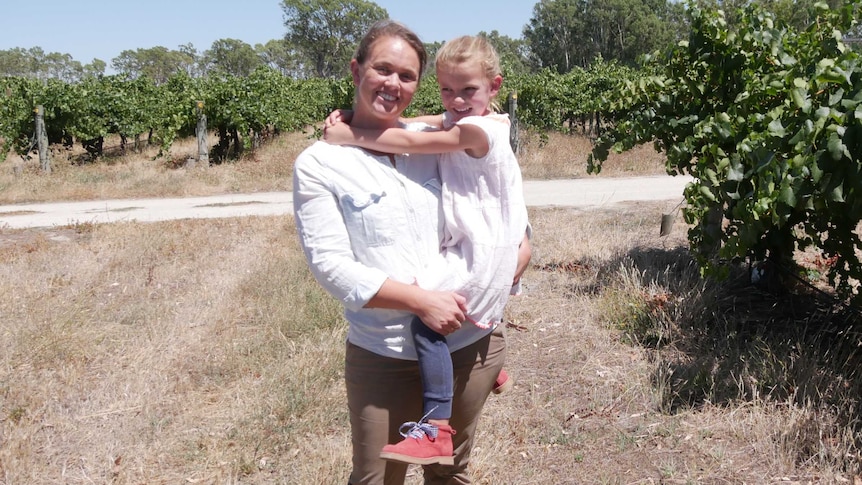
[{"x": 360, "y": 220}]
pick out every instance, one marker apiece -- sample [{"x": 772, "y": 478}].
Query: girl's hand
[
  {"x": 338, "y": 134},
  {"x": 339, "y": 115}
]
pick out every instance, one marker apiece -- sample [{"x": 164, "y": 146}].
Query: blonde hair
[{"x": 472, "y": 49}]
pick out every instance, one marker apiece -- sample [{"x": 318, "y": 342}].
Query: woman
[{"x": 369, "y": 222}]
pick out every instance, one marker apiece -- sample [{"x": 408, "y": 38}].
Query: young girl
[{"x": 485, "y": 222}]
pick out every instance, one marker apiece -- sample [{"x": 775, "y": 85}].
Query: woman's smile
[{"x": 385, "y": 83}]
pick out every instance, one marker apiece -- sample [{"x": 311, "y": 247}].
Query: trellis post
[
  {"x": 42, "y": 139},
  {"x": 201, "y": 132},
  {"x": 514, "y": 136}
]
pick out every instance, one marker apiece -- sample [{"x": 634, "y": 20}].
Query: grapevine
[{"x": 768, "y": 121}]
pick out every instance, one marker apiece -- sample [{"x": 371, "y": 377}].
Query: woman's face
[{"x": 385, "y": 83}]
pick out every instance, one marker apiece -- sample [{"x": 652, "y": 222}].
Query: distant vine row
[
  {"x": 87, "y": 111},
  {"x": 262, "y": 103}
]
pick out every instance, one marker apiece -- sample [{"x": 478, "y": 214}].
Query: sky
[{"x": 102, "y": 29}]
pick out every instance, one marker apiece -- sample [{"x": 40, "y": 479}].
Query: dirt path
[{"x": 587, "y": 193}]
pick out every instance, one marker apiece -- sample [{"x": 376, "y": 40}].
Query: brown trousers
[{"x": 383, "y": 393}]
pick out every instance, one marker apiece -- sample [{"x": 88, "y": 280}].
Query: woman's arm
[
  {"x": 467, "y": 137},
  {"x": 326, "y": 244},
  {"x": 525, "y": 253},
  {"x": 325, "y": 240},
  {"x": 441, "y": 311}
]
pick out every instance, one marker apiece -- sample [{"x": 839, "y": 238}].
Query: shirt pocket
[{"x": 366, "y": 218}]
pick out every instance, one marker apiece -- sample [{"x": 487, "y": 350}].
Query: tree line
[{"x": 320, "y": 36}]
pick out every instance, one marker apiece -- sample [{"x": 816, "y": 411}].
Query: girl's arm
[
  {"x": 431, "y": 120},
  {"x": 468, "y": 137},
  {"x": 346, "y": 115}
]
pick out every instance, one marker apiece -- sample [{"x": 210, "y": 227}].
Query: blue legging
[{"x": 435, "y": 370}]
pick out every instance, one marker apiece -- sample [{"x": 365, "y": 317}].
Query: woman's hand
[{"x": 442, "y": 311}]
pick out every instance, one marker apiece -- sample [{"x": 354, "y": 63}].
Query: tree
[
  {"x": 94, "y": 68},
  {"x": 157, "y": 63},
  {"x": 60, "y": 66},
  {"x": 232, "y": 56},
  {"x": 564, "y": 34},
  {"x": 624, "y": 30},
  {"x": 512, "y": 52},
  {"x": 326, "y": 32},
  {"x": 35, "y": 63},
  {"x": 554, "y": 34},
  {"x": 279, "y": 55},
  {"x": 189, "y": 60},
  {"x": 15, "y": 62}
]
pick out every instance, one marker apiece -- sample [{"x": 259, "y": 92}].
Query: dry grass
[
  {"x": 137, "y": 175},
  {"x": 267, "y": 169},
  {"x": 203, "y": 352},
  {"x": 563, "y": 156}
]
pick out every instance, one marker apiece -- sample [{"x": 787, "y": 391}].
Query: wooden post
[
  {"x": 201, "y": 132},
  {"x": 42, "y": 139},
  {"x": 514, "y": 136}
]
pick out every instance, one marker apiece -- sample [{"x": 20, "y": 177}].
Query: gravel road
[{"x": 586, "y": 193}]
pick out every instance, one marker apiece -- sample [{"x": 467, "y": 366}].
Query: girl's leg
[{"x": 435, "y": 369}]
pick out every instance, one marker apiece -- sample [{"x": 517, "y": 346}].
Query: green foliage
[
  {"x": 768, "y": 120},
  {"x": 325, "y": 32},
  {"x": 552, "y": 101},
  {"x": 14, "y": 112},
  {"x": 157, "y": 63},
  {"x": 564, "y": 34},
  {"x": 233, "y": 57},
  {"x": 262, "y": 103},
  {"x": 427, "y": 98}
]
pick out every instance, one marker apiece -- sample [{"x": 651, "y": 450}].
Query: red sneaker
[
  {"x": 503, "y": 383},
  {"x": 423, "y": 444}
]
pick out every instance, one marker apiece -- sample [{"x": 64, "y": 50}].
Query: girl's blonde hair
[{"x": 470, "y": 49}]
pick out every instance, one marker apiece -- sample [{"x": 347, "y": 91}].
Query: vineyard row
[{"x": 262, "y": 103}]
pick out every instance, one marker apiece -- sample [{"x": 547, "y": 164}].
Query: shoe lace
[{"x": 418, "y": 430}]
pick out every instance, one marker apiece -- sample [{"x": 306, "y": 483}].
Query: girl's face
[
  {"x": 385, "y": 83},
  {"x": 466, "y": 90}
]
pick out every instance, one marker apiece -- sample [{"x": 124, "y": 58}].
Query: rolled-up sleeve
[{"x": 325, "y": 240}]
